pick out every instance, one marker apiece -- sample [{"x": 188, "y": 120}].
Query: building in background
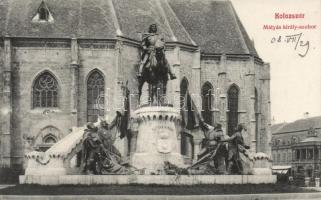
[
  {"x": 64, "y": 63},
  {"x": 298, "y": 144}
]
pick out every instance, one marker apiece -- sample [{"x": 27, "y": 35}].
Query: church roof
[
  {"x": 275, "y": 128},
  {"x": 213, "y": 25}
]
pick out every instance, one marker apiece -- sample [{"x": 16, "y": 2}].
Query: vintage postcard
[{"x": 167, "y": 99}]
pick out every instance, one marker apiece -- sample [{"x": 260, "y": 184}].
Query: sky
[{"x": 295, "y": 80}]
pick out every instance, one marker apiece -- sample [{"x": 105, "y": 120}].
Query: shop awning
[{"x": 279, "y": 169}]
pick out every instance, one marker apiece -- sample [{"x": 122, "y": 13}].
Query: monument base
[
  {"x": 157, "y": 139},
  {"x": 154, "y": 163},
  {"x": 146, "y": 179}
]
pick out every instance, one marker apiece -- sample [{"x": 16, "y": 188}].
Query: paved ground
[
  {"x": 286, "y": 196},
  {"x": 283, "y": 196},
  {"x": 314, "y": 188}
]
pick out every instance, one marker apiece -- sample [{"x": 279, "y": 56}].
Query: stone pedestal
[
  {"x": 262, "y": 164},
  {"x": 41, "y": 164},
  {"x": 157, "y": 139}
]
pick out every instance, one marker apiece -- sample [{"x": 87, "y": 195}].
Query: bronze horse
[{"x": 155, "y": 73}]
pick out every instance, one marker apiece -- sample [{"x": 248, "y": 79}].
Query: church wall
[
  {"x": 173, "y": 86},
  {"x": 239, "y": 72},
  {"x": 28, "y": 62},
  {"x": 186, "y": 64},
  {"x": 1, "y": 74},
  {"x": 236, "y": 71},
  {"x": 118, "y": 65},
  {"x": 260, "y": 111},
  {"x": 209, "y": 73},
  {"x": 186, "y": 70},
  {"x": 129, "y": 64},
  {"x": 263, "y": 89},
  {"x": 95, "y": 59}
]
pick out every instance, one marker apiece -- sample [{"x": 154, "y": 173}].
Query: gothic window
[
  {"x": 95, "y": 96},
  {"x": 207, "y": 103},
  {"x": 233, "y": 98},
  {"x": 45, "y": 91}
]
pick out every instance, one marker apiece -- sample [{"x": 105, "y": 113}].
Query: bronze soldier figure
[
  {"x": 100, "y": 156},
  {"x": 236, "y": 146},
  {"x": 108, "y": 139},
  {"x": 91, "y": 148},
  {"x": 212, "y": 149}
]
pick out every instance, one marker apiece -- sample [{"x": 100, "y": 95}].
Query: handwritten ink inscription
[{"x": 300, "y": 45}]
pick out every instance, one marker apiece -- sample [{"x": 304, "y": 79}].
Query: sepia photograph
[{"x": 160, "y": 99}]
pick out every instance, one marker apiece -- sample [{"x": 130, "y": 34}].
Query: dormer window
[{"x": 43, "y": 14}]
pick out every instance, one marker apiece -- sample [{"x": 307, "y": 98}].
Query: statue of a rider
[{"x": 150, "y": 42}]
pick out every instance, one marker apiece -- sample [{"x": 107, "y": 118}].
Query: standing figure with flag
[{"x": 238, "y": 153}]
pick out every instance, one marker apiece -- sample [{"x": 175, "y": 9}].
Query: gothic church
[{"x": 57, "y": 57}]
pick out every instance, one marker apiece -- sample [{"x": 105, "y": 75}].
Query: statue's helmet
[{"x": 152, "y": 28}]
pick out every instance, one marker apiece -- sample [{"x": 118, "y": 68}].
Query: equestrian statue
[{"x": 154, "y": 67}]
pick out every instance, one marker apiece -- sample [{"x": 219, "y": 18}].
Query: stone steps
[{"x": 146, "y": 179}]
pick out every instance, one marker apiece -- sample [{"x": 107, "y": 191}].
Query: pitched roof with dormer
[
  {"x": 297, "y": 126},
  {"x": 212, "y": 25}
]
